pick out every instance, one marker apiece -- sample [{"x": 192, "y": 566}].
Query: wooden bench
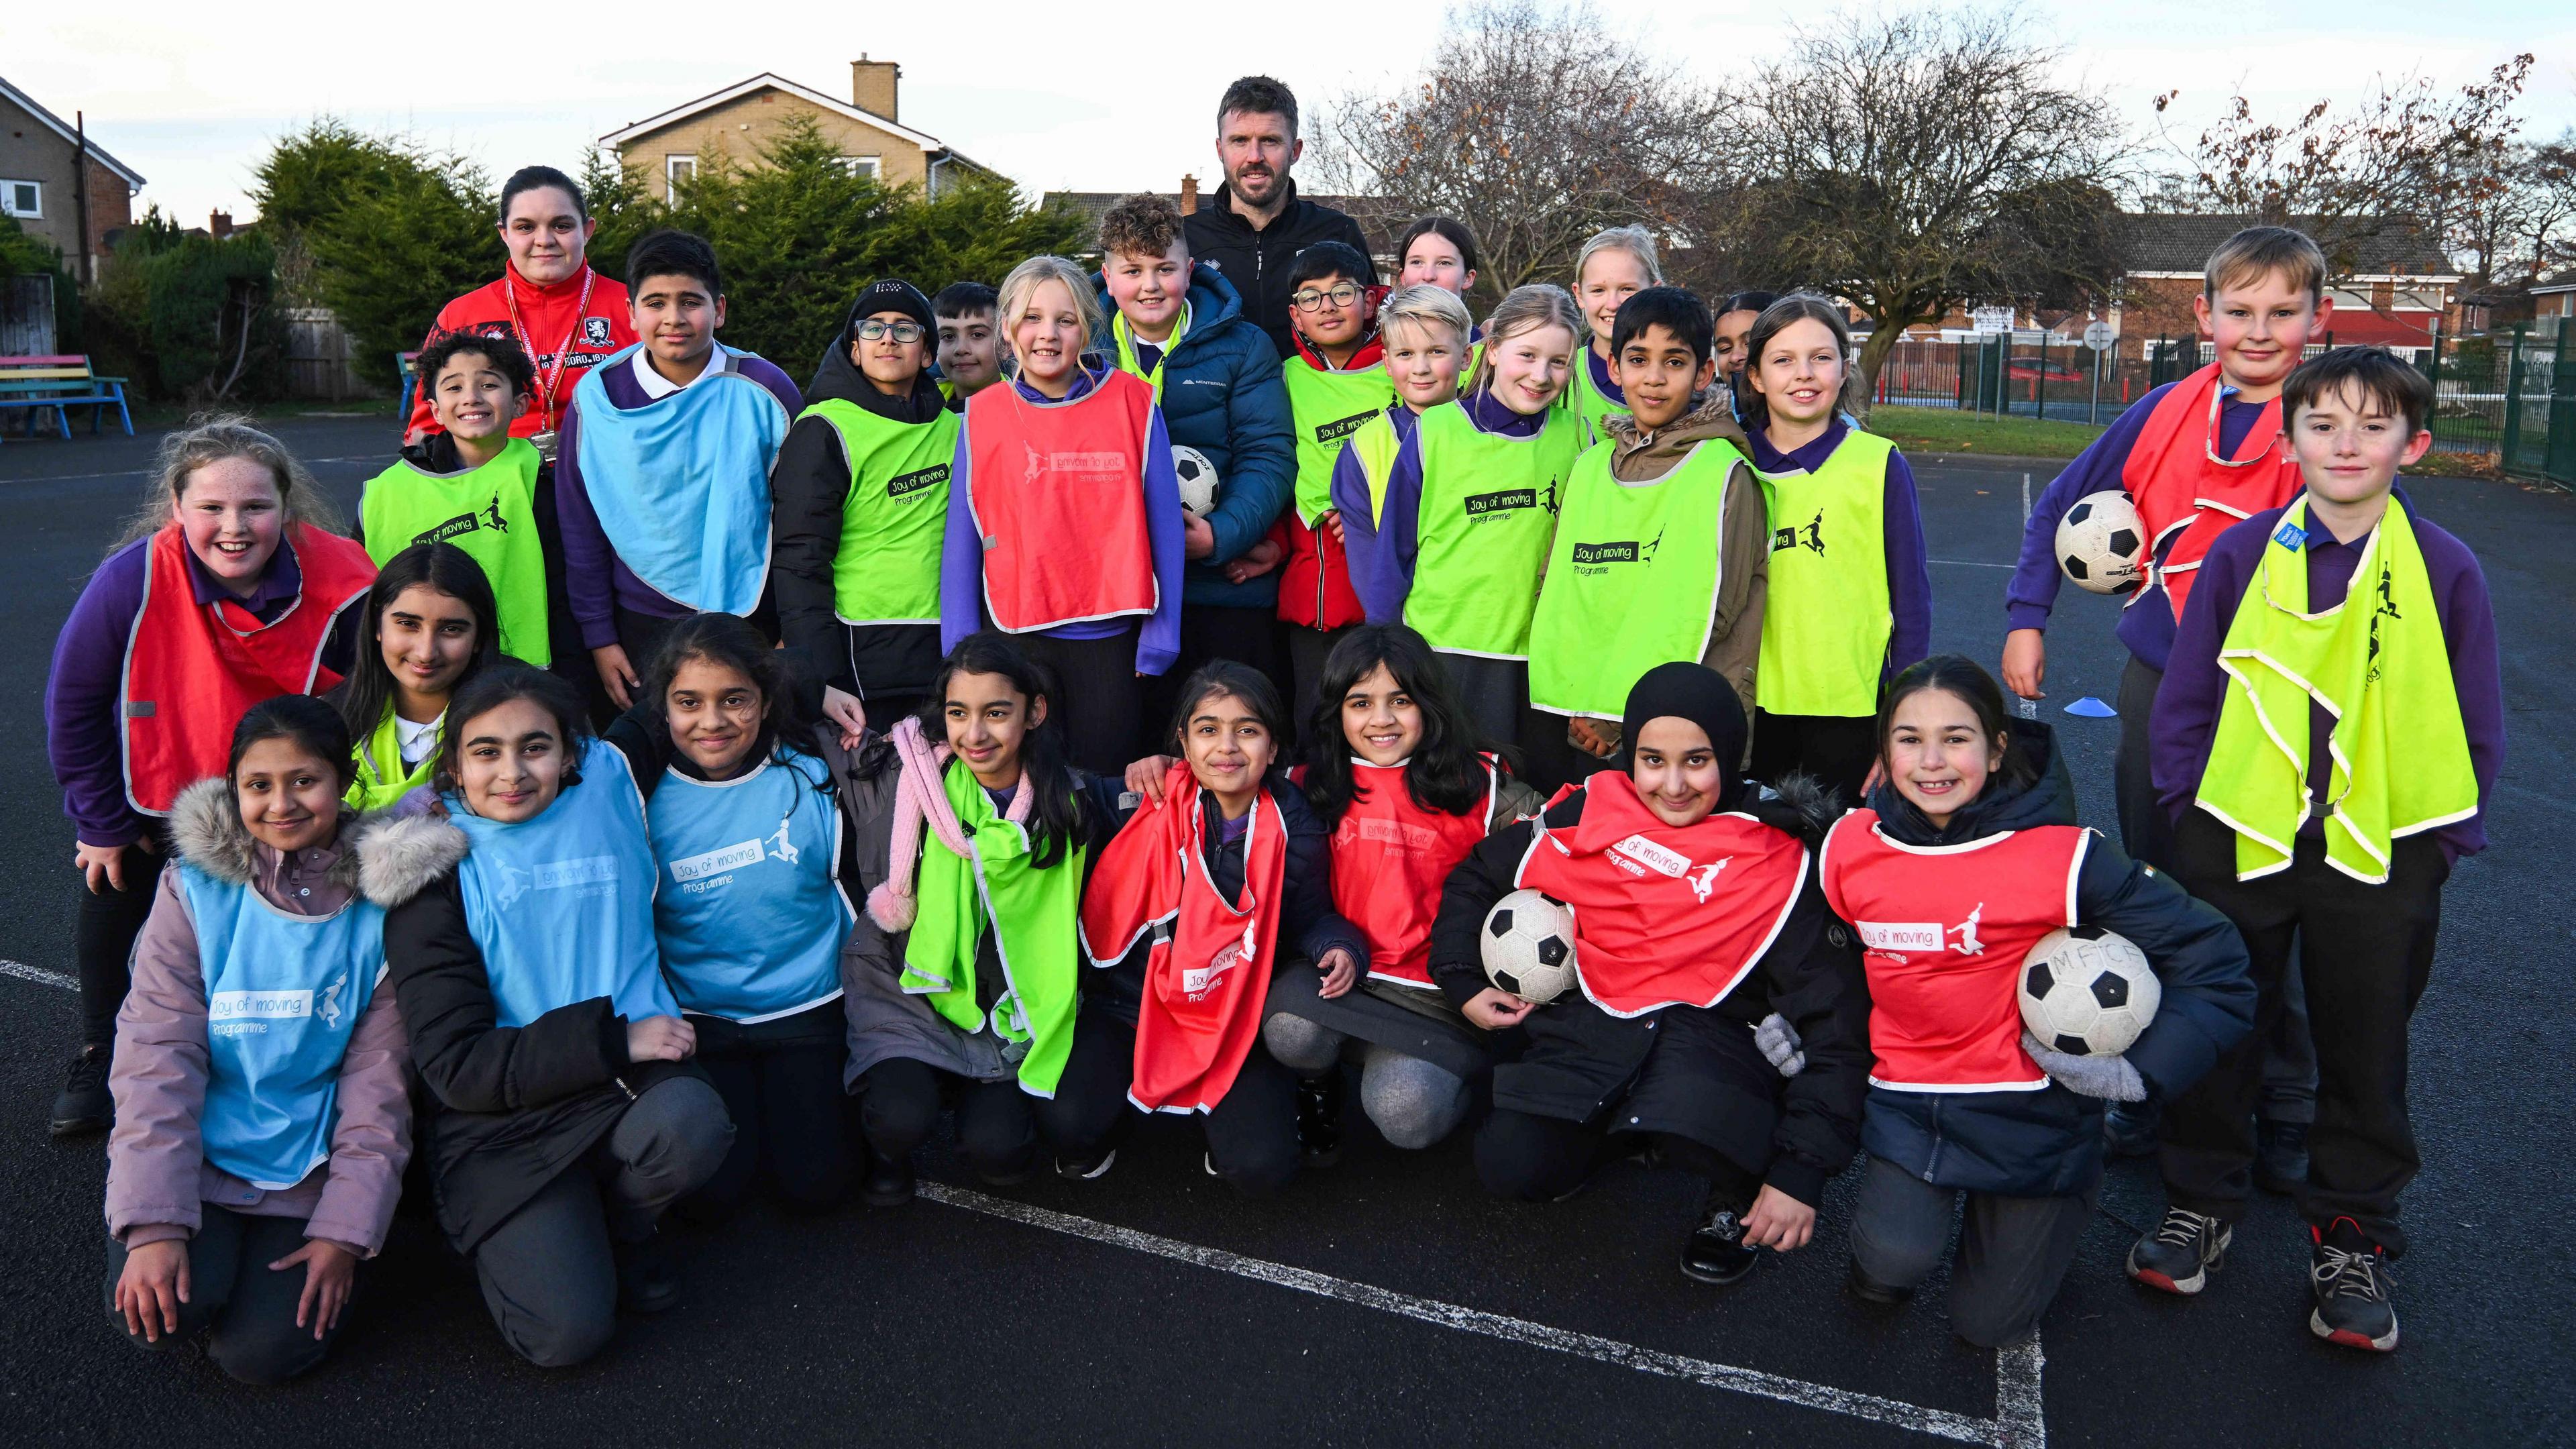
[{"x": 56, "y": 384}]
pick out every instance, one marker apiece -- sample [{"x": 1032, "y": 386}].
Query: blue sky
[{"x": 1089, "y": 97}]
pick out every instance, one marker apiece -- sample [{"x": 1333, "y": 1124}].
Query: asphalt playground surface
[{"x": 1386, "y": 1300}]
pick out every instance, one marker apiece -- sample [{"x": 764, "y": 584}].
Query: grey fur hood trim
[
  {"x": 1816, "y": 806},
  {"x": 206, "y": 831},
  {"x": 399, "y": 859}
]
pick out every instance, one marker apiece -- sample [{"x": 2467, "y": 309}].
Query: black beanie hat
[
  {"x": 893, "y": 294},
  {"x": 1701, "y": 695}
]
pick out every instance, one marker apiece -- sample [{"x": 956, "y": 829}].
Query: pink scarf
[{"x": 921, "y": 798}]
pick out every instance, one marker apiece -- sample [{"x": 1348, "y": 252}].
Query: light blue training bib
[
  {"x": 749, "y": 903},
  {"x": 562, "y": 905},
  {"x": 283, "y": 996},
  {"x": 681, "y": 484}
]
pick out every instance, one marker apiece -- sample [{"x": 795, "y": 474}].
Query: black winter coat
[
  {"x": 1256, "y": 262},
  {"x": 2048, "y": 1143},
  {"x": 1583, "y": 1061}
]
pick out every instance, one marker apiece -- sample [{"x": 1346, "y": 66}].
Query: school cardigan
[
  {"x": 1909, "y": 570},
  {"x": 2146, "y": 622},
  {"x": 598, "y": 581},
  {"x": 2195, "y": 688},
  {"x": 82, "y": 734}
]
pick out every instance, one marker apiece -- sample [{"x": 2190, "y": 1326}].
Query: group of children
[{"x": 1608, "y": 598}]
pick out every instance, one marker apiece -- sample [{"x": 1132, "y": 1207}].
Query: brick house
[
  {"x": 53, "y": 196},
  {"x": 746, "y": 116}
]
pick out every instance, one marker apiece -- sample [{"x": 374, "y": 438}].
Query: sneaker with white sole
[
  {"x": 2349, "y": 1279},
  {"x": 2181, "y": 1253}
]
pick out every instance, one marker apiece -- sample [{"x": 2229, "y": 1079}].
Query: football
[
  {"x": 1529, "y": 946},
  {"x": 2087, "y": 992},
  {"x": 1198, "y": 480},
  {"x": 2102, "y": 544}
]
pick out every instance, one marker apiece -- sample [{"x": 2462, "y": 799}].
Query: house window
[
  {"x": 677, "y": 173},
  {"x": 22, "y": 198},
  {"x": 867, "y": 166}
]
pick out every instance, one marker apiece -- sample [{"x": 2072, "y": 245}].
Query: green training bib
[
  {"x": 1632, "y": 579},
  {"x": 1826, "y": 616},
  {"x": 1488, "y": 513},
  {"x": 1584, "y": 398},
  {"x": 380, "y": 779},
  {"x": 893, "y": 520},
  {"x": 1376, "y": 444},
  {"x": 1328, "y": 407},
  {"x": 491, "y": 513}
]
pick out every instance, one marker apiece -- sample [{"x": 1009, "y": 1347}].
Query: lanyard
[
  {"x": 554, "y": 376},
  {"x": 2217, "y": 402},
  {"x": 1127, "y": 349}
]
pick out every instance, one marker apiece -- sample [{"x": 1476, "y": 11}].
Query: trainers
[
  {"x": 1715, "y": 1252},
  {"x": 84, "y": 1106},
  {"x": 888, "y": 1183},
  {"x": 2182, "y": 1252},
  {"x": 645, "y": 1280},
  {"x": 2280, "y": 1156},
  {"x": 1319, "y": 1119},
  {"x": 2129, "y": 1129},
  {"x": 2350, "y": 1281},
  {"x": 1086, "y": 1171}
]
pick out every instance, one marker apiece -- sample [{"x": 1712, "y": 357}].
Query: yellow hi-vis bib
[
  {"x": 1632, "y": 579},
  {"x": 1826, "y": 615},
  {"x": 1488, "y": 514},
  {"x": 1328, "y": 407}
]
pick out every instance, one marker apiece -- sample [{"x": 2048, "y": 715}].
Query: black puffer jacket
[
  {"x": 1256, "y": 262},
  {"x": 1582, "y": 1060},
  {"x": 2049, "y": 1143}
]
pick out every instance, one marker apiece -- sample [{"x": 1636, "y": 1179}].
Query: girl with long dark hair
[{"x": 429, "y": 623}]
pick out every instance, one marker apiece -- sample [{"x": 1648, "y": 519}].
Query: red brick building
[{"x": 44, "y": 186}]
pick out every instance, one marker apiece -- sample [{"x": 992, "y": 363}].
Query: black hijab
[{"x": 1701, "y": 695}]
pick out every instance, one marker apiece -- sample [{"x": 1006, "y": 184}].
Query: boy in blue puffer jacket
[{"x": 1215, "y": 376}]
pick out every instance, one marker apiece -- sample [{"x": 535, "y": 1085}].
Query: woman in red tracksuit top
[{"x": 1965, "y": 856}]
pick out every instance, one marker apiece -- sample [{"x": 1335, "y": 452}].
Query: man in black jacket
[{"x": 1256, "y": 224}]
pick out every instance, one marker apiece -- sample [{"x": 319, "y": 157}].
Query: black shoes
[
  {"x": 2280, "y": 1155},
  {"x": 1870, "y": 1290},
  {"x": 1319, "y": 1119},
  {"x": 645, "y": 1280},
  {"x": 2181, "y": 1253},
  {"x": 1086, "y": 1171},
  {"x": 84, "y": 1106},
  {"x": 888, "y": 1183},
  {"x": 2348, "y": 1277},
  {"x": 2129, "y": 1128},
  {"x": 1715, "y": 1253}
]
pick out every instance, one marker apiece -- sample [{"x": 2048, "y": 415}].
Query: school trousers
[
  {"x": 899, "y": 1104},
  {"x": 1307, "y": 651},
  {"x": 2364, "y": 953},
  {"x": 2013, "y": 1251},
  {"x": 1836, "y": 750},
  {"x": 1251, "y": 1131},
  {"x": 786, "y": 1103},
  {"x": 245, "y": 1308},
  {"x": 1534, "y": 1158},
  {"x": 549, "y": 1271},
  {"x": 103, "y": 932},
  {"x": 1102, "y": 696}
]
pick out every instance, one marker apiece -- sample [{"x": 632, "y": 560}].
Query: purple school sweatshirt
[
  {"x": 86, "y": 685},
  {"x": 1909, "y": 566},
  {"x": 1381, "y": 558},
  {"x": 2194, "y": 689},
  {"x": 2147, "y": 624},
  {"x": 598, "y": 581},
  {"x": 961, "y": 553}
]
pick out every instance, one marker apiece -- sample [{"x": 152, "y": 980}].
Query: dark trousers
[
  {"x": 1251, "y": 1132},
  {"x": 1837, "y": 750},
  {"x": 1210, "y": 632},
  {"x": 1102, "y": 695},
  {"x": 549, "y": 1271},
  {"x": 1540, "y": 1159},
  {"x": 2013, "y": 1251},
  {"x": 1307, "y": 651},
  {"x": 2146, "y": 831},
  {"x": 103, "y": 933},
  {"x": 899, "y": 1104},
  {"x": 2364, "y": 954},
  {"x": 786, "y": 1106},
  {"x": 246, "y": 1309},
  {"x": 642, "y": 636}
]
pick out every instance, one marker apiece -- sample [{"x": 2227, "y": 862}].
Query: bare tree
[
  {"x": 1533, "y": 124},
  {"x": 1916, "y": 163}
]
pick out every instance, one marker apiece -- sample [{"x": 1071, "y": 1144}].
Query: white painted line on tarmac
[
  {"x": 39, "y": 975},
  {"x": 2018, "y": 1421}
]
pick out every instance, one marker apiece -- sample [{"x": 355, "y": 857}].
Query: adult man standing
[{"x": 1256, "y": 223}]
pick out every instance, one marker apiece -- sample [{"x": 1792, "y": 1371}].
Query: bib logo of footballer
[
  {"x": 1968, "y": 944},
  {"x": 1814, "y": 531},
  {"x": 1704, "y": 879},
  {"x": 2387, "y": 609},
  {"x": 488, "y": 516}
]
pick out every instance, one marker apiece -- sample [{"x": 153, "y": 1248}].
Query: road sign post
[{"x": 2099, "y": 337}]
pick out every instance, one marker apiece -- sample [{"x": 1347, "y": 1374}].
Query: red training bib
[
  {"x": 1057, "y": 494},
  {"x": 2176, "y": 480},
  {"x": 1390, "y": 858}
]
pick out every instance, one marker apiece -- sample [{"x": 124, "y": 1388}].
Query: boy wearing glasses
[
  {"x": 860, "y": 499},
  {"x": 1180, "y": 326},
  {"x": 1337, "y": 384}
]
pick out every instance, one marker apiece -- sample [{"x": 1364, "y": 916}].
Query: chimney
[
  {"x": 872, "y": 85},
  {"x": 219, "y": 224},
  {"x": 1189, "y": 193}
]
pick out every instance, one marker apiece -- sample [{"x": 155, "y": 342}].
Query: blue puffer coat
[
  {"x": 2049, "y": 1143},
  {"x": 1222, "y": 396}
]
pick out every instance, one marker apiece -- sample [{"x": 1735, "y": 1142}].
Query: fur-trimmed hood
[
  {"x": 400, "y": 858},
  {"x": 207, "y": 832},
  {"x": 1798, "y": 803},
  {"x": 1637, "y": 459}
]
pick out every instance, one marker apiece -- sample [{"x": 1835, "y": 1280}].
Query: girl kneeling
[
  {"x": 261, "y": 1122},
  {"x": 1697, "y": 929},
  {"x": 565, "y": 1114},
  {"x": 1972, "y": 834}
]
